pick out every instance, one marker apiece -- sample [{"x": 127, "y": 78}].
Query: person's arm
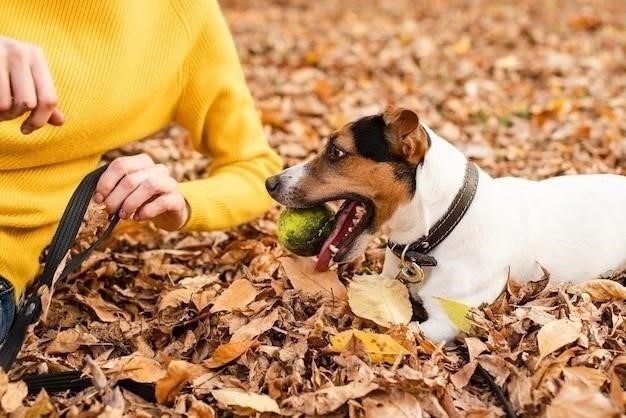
[{"x": 218, "y": 111}]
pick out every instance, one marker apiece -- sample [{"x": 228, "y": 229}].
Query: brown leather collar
[{"x": 417, "y": 251}]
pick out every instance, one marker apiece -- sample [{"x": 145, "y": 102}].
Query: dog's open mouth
[{"x": 352, "y": 218}]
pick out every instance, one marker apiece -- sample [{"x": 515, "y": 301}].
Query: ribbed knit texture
[{"x": 123, "y": 70}]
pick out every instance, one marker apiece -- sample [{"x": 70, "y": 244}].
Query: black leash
[{"x": 31, "y": 307}]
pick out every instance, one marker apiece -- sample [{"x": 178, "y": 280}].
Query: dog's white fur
[{"x": 573, "y": 226}]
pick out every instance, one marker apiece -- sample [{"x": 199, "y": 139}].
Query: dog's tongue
[{"x": 343, "y": 221}]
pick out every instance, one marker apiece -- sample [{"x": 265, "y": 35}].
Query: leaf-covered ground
[{"x": 226, "y": 325}]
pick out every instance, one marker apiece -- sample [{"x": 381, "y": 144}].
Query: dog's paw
[{"x": 437, "y": 331}]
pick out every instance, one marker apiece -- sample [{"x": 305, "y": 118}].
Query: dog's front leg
[{"x": 437, "y": 327}]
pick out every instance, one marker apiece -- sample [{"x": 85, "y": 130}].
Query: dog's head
[{"x": 371, "y": 165}]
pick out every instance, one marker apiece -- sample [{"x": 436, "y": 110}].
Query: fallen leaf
[
  {"x": 248, "y": 400},
  {"x": 226, "y": 353},
  {"x": 557, "y": 334},
  {"x": 456, "y": 311},
  {"x": 462, "y": 377},
  {"x": 382, "y": 300},
  {"x": 236, "y": 296},
  {"x": 600, "y": 290},
  {"x": 255, "y": 328},
  {"x": 105, "y": 311},
  {"x": 200, "y": 409},
  {"x": 574, "y": 401},
  {"x": 393, "y": 404},
  {"x": 379, "y": 347},
  {"x": 327, "y": 400},
  {"x": 70, "y": 340},
  {"x": 175, "y": 298},
  {"x": 304, "y": 277},
  {"x": 14, "y": 396},
  {"x": 135, "y": 367},
  {"x": 475, "y": 347},
  {"x": 177, "y": 375},
  {"x": 113, "y": 405},
  {"x": 584, "y": 376}
]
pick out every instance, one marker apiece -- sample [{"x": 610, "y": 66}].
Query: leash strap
[
  {"x": 30, "y": 309},
  {"x": 417, "y": 251}
]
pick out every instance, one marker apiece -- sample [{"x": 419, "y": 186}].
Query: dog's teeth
[
  {"x": 351, "y": 229},
  {"x": 333, "y": 249}
]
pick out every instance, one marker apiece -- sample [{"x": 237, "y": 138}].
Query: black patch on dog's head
[{"x": 369, "y": 139}]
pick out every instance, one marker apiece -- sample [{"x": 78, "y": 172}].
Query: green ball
[{"x": 303, "y": 231}]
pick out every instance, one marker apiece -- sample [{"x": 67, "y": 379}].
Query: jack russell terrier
[{"x": 453, "y": 230}]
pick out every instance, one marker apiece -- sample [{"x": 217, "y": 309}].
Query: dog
[{"x": 399, "y": 178}]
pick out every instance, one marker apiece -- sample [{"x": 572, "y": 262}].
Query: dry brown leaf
[
  {"x": 329, "y": 399},
  {"x": 13, "y": 396},
  {"x": 175, "y": 298},
  {"x": 462, "y": 377},
  {"x": 105, "y": 311},
  {"x": 575, "y": 401},
  {"x": 247, "y": 400},
  {"x": 475, "y": 347},
  {"x": 113, "y": 405},
  {"x": 135, "y": 367},
  {"x": 255, "y": 327},
  {"x": 393, "y": 404},
  {"x": 235, "y": 297},
  {"x": 177, "y": 375},
  {"x": 69, "y": 340},
  {"x": 584, "y": 376},
  {"x": 382, "y": 300},
  {"x": 557, "y": 334},
  {"x": 304, "y": 277},
  {"x": 600, "y": 290},
  {"x": 200, "y": 409},
  {"x": 226, "y": 353}
]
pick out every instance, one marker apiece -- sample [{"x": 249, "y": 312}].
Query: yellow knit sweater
[{"x": 123, "y": 70}]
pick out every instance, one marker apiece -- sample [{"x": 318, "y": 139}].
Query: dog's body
[{"x": 574, "y": 227}]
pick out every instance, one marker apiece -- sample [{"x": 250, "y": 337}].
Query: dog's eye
[{"x": 335, "y": 153}]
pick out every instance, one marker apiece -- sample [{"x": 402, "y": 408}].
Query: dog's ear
[{"x": 403, "y": 135}]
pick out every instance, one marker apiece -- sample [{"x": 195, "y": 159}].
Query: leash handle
[{"x": 62, "y": 241}]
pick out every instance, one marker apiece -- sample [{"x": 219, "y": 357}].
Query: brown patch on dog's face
[{"x": 372, "y": 160}]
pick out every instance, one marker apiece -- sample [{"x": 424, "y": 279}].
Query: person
[{"x": 81, "y": 77}]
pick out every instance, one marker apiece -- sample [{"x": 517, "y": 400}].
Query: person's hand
[
  {"x": 136, "y": 188},
  {"x": 26, "y": 86}
]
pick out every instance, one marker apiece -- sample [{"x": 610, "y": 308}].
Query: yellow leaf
[
  {"x": 226, "y": 353},
  {"x": 382, "y": 300},
  {"x": 240, "y": 398},
  {"x": 600, "y": 290},
  {"x": 237, "y": 296},
  {"x": 462, "y": 46},
  {"x": 556, "y": 334},
  {"x": 457, "y": 312},
  {"x": 379, "y": 347}
]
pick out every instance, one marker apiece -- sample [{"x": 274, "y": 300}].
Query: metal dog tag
[{"x": 410, "y": 272}]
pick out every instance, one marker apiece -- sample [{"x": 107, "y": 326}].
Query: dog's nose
[{"x": 272, "y": 183}]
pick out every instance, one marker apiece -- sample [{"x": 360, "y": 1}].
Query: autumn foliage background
[{"x": 524, "y": 88}]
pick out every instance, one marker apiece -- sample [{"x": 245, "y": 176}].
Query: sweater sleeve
[{"x": 217, "y": 109}]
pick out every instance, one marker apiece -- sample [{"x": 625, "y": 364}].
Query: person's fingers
[
  {"x": 150, "y": 188},
  {"x": 5, "y": 86},
  {"x": 119, "y": 168},
  {"x": 57, "y": 118},
  {"x": 46, "y": 93},
  {"x": 165, "y": 203},
  {"x": 22, "y": 85}
]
